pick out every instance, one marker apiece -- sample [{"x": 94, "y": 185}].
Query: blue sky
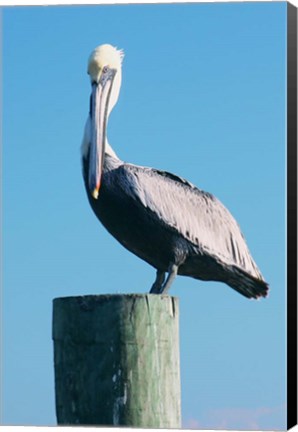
[{"x": 203, "y": 96}]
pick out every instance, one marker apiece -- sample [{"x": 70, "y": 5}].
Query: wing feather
[{"x": 197, "y": 215}]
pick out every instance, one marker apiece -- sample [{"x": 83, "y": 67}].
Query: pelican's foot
[
  {"x": 156, "y": 287},
  {"x": 161, "y": 287}
]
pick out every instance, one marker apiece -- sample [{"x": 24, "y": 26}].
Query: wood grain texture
[{"x": 116, "y": 360}]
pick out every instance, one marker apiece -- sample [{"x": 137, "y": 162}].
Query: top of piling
[{"x": 98, "y": 297}]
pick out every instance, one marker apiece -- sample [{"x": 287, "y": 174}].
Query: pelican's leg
[
  {"x": 173, "y": 269},
  {"x": 156, "y": 287}
]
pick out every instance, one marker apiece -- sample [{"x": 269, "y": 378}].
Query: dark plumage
[{"x": 141, "y": 208}]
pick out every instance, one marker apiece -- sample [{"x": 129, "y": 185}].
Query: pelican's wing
[{"x": 197, "y": 215}]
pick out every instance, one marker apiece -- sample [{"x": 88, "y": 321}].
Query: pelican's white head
[
  {"x": 104, "y": 69},
  {"x": 102, "y": 58}
]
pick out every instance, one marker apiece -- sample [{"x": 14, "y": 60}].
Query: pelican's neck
[
  {"x": 116, "y": 85},
  {"x": 112, "y": 102},
  {"x": 109, "y": 151}
]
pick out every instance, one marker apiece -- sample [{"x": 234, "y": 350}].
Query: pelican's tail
[{"x": 246, "y": 284}]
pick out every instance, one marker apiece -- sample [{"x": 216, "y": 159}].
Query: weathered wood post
[{"x": 117, "y": 360}]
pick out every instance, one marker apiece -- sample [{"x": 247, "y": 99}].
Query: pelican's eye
[{"x": 105, "y": 69}]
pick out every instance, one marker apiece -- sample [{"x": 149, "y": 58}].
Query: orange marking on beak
[{"x": 95, "y": 192}]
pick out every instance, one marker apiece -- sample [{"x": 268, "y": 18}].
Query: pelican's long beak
[{"x": 99, "y": 112}]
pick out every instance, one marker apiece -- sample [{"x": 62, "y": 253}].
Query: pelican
[{"x": 160, "y": 217}]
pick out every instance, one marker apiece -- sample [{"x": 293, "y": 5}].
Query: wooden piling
[{"x": 116, "y": 360}]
